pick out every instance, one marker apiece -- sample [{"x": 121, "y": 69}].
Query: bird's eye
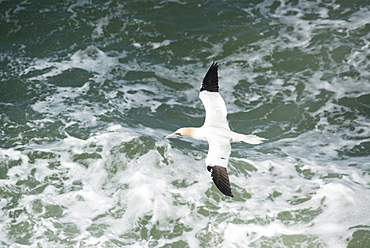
[{"x": 178, "y": 134}]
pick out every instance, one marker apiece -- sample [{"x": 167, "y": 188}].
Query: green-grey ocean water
[{"x": 88, "y": 90}]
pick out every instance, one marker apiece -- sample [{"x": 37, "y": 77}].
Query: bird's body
[{"x": 216, "y": 131}]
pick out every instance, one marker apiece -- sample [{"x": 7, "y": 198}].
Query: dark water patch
[
  {"x": 340, "y": 53},
  {"x": 360, "y": 104},
  {"x": 360, "y": 150},
  {"x": 285, "y": 112},
  {"x": 292, "y": 60},
  {"x": 74, "y": 77},
  {"x": 242, "y": 168},
  {"x": 306, "y": 173},
  {"x": 81, "y": 131},
  {"x": 86, "y": 158},
  {"x": 21, "y": 231},
  {"x": 13, "y": 91},
  {"x": 300, "y": 216},
  {"x": 7, "y": 163},
  {"x": 137, "y": 147},
  {"x": 47, "y": 210},
  {"x": 34, "y": 155},
  {"x": 289, "y": 241},
  {"x": 180, "y": 116},
  {"x": 360, "y": 238},
  {"x": 319, "y": 100},
  {"x": 145, "y": 78}
]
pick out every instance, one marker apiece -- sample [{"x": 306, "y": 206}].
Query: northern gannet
[{"x": 216, "y": 131}]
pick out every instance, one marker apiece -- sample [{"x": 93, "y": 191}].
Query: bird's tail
[{"x": 251, "y": 139}]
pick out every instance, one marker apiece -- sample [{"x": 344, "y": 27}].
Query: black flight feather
[
  {"x": 210, "y": 81},
  {"x": 221, "y": 179}
]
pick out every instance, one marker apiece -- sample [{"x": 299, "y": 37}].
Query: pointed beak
[{"x": 172, "y": 135}]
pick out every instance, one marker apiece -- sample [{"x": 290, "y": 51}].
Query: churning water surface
[{"x": 89, "y": 89}]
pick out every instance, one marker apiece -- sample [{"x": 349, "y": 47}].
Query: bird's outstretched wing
[
  {"x": 215, "y": 120},
  {"x": 210, "y": 81},
  {"x": 213, "y": 102},
  {"x": 221, "y": 179},
  {"x": 216, "y": 161}
]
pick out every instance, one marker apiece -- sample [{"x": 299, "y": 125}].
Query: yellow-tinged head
[{"x": 182, "y": 132}]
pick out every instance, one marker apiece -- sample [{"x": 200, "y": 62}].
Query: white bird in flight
[{"x": 216, "y": 131}]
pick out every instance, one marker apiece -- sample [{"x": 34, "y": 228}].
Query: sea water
[{"x": 89, "y": 89}]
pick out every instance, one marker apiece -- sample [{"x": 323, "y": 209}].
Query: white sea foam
[{"x": 91, "y": 59}]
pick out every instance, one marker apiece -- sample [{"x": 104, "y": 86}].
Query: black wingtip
[
  {"x": 210, "y": 81},
  {"x": 221, "y": 179}
]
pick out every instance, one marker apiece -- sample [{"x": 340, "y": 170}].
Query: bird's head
[{"x": 181, "y": 132}]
